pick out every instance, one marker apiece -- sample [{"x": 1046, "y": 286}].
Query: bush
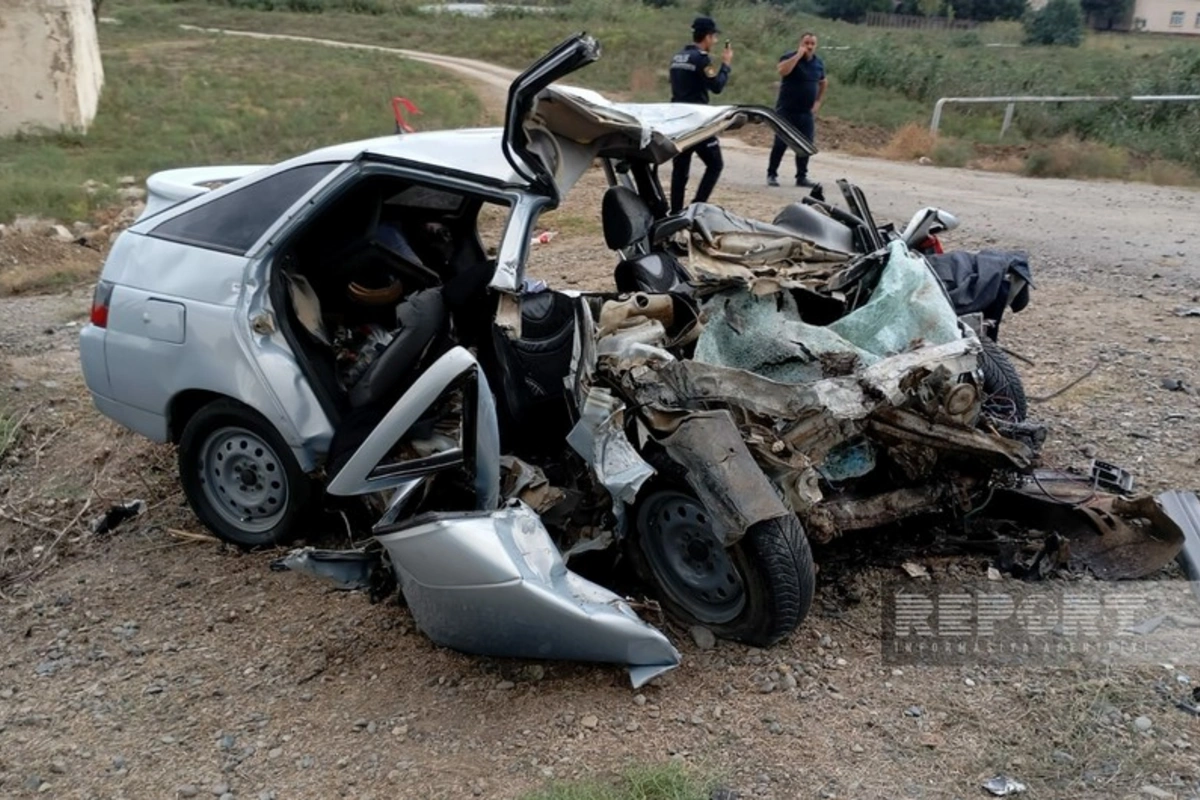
[
  {"x": 1058, "y": 22},
  {"x": 852, "y": 10}
]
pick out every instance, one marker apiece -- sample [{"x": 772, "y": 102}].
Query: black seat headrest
[{"x": 625, "y": 216}]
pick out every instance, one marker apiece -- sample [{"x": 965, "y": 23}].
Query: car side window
[{"x": 233, "y": 223}]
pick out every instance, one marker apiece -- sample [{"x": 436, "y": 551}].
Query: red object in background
[{"x": 404, "y": 103}]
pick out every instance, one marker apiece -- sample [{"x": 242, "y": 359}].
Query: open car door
[{"x": 552, "y": 134}]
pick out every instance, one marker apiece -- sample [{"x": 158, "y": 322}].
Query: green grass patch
[
  {"x": 10, "y": 431},
  {"x": 666, "y": 782},
  {"x": 173, "y": 98}
]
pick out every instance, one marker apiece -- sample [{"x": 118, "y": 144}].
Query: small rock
[
  {"x": 266, "y": 794},
  {"x": 703, "y": 637},
  {"x": 60, "y": 233},
  {"x": 969, "y": 682},
  {"x": 775, "y": 728},
  {"x": 993, "y": 574},
  {"x": 857, "y": 748},
  {"x": 639, "y": 699},
  {"x": 227, "y": 742},
  {"x": 504, "y": 686},
  {"x": 6, "y": 694},
  {"x": 589, "y": 721},
  {"x": 126, "y": 180},
  {"x": 1176, "y": 385},
  {"x": 187, "y": 790},
  {"x": 131, "y": 194},
  {"x": 226, "y": 796},
  {"x": 58, "y": 767},
  {"x": 33, "y": 783},
  {"x": 1143, "y": 724},
  {"x": 534, "y": 673},
  {"x": 1153, "y": 791},
  {"x": 913, "y": 711},
  {"x": 372, "y": 727},
  {"x": 924, "y": 161},
  {"x": 400, "y": 730},
  {"x": 789, "y": 681},
  {"x": 343, "y": 762},
  {"x": 1062, "y": 757},
  {"x": 631, "y": 727},
  {"x": 274, "y": 753},
  {"x": 220, "y": 789},
  {"x": 361, "y": 724},
  {"x": 307, "y": 762},
  {"x": 118, "y": 762}
]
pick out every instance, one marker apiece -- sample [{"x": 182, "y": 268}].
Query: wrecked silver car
[{"x": 335, "y": 329}]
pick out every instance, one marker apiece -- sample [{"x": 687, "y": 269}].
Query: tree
[
  {"x": 1104, "y": 14},
  {"x": 1057, "y": 22}
]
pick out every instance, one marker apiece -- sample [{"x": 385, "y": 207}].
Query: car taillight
[{"x": 100, "y": 300}]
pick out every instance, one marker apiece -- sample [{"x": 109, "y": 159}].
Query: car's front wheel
[
  {"x": 240, "y": 477},
  {"x": 756, "y": 591}
]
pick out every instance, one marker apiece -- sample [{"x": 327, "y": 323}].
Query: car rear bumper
[{"x": 152, "y": 426}]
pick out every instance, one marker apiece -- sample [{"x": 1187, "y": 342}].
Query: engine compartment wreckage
[{"x": 850, "y": 382}]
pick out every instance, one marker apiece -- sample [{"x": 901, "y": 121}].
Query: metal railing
[{"x": 1012, "y": 101}]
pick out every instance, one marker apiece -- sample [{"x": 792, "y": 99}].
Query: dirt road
[{"x": 146, "y": 664}]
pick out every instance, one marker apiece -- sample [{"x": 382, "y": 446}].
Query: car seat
[{"x": 629, "y": 225}]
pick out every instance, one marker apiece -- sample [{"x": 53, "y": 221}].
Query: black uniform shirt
[{"x": 694, "y": 74}]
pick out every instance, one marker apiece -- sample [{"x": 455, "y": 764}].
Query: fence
[
  {"x": 1011, "y": 106},
  {"x": 880, "y": 19}
]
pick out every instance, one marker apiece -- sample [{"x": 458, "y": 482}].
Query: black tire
[
  {"x": 241, "y": 478},
  {"x": 1003, "y": 391},
  {"x": 772, "y": 563}
]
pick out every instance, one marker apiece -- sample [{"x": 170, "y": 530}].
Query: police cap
[{"x": 702, "y": 26}]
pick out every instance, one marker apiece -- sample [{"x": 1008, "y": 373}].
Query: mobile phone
[{"x": 726, "y": 44}]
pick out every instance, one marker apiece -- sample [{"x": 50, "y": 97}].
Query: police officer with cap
[{"x": 693, "y": 75}]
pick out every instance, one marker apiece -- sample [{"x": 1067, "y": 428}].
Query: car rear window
[{"x": 233, "y": 223}]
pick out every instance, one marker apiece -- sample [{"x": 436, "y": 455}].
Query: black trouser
[
  {"x": 804, "y": 121},
  {"x": 710, "y": 153}
]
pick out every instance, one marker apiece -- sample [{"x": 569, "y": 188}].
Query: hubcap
[
  {"x": 243, "y": 479},
  {"x": 687, "y": 559}
]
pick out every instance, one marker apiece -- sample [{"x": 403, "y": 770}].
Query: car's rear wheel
[
  {"x": 240, "y": 477},
  {"x": 756, "y": 591}
]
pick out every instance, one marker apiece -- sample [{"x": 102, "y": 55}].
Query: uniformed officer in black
[{"x": 693, "y": 75}]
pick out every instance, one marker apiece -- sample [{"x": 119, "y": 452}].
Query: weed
[
  {"x": 10, "y": 431},
  {"x": 668, "y": 782}
]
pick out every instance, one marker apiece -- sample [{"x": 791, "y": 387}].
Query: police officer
[{"x": 693, "y": 76}]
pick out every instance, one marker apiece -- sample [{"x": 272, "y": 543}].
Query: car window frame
[{"x": 236, "y": 187}]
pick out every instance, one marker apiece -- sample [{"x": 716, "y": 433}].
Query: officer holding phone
[{"x": 693, "y": 75}]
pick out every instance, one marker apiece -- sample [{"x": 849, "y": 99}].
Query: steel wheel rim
[
  {"x": 686, "y": 558},
  {"x": 243, "y": 479}
]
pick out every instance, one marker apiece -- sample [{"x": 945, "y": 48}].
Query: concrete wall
[
  {"x": 50, "y": 71},
  {"x": 1157, "y": 16}
]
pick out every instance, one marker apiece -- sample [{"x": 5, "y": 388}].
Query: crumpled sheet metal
[
  {"x": 766, "y": 335},
  {"x": 494, "y": 584},
  {"x": 1116, "y": 538},
  {"x": 349, "y": 570},
  {"x": 600, "y": 439},
  {"x": 1184, "y": 510}
]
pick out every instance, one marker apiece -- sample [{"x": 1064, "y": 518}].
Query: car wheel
[
  {"x": 757, "y": 591},
  {"x": 240, "y": 477},
  {"x": 1003, "y": 391}
]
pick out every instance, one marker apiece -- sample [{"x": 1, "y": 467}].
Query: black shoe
[
  {"x": 805, "y": 182},
  {"x": 772, "y": 180}
]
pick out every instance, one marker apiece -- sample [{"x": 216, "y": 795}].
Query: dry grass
[
  {"x": 909, "y": 143},
  {"x": 1167, "y": 173}
]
